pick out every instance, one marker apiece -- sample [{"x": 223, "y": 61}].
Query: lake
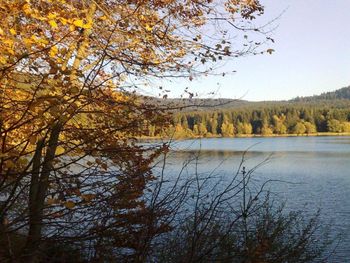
[{"x": 317, "y": 170}]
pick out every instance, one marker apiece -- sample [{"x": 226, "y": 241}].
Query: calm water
[{"x": 318, "y": 169}]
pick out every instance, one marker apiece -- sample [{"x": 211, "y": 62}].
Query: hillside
[
  {"x": 336, "y": 99},
  {"x": 343, "y": 93}
]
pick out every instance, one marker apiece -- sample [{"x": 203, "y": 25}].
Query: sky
[{"x": 312, "y": 55}]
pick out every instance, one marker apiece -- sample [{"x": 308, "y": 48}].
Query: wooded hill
[
  {"x": 343, "y": 93},
  {"x": 328, "y": 112}
]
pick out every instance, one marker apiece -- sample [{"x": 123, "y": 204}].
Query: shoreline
[{"x": 317, "y": 134}]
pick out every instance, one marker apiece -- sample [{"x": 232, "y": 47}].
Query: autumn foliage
[{"x": 70, "y": 167}]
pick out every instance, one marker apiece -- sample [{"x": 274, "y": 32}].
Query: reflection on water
[{"x": 318, "y": 169}]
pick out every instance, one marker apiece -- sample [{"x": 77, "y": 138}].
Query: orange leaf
[{"x": 69, "y": 204}]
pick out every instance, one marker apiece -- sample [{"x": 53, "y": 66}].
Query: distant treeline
[
  {"x": 265, "y": 120},
  {"x": 343, "y": 93}
]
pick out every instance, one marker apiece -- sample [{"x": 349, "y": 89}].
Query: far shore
[{"x": 248, "y": 136}]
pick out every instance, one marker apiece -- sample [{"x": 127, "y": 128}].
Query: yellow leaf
[
  {"x": 63, "y": 21},
  {"x": 13, "y": 32},
  {"x": 26, "y": 9},
  {"x": 3, "y": 60},
  {"x": 28, "y": 42},
  {"x": 59, "y": 150},
  {"x": 39, "y": 40},
  {"x": 11, "y": 51},
  {"x": 148, "y": 27},
  {"x": 80, "y": 23},
  {"x": 53, "y": 24},
  {"x": 53, "y": 51},
  {"x": 69, "y": 204},
  {"x": 51, "y": 16},
  {"x": 8, "y": 42}
]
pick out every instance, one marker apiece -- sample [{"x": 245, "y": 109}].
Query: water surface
[{"x": 317, "y": 170}]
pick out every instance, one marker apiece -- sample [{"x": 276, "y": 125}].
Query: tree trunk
[{"x": 38, "y": 191}]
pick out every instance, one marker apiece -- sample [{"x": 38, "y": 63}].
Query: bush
[
  {"x": 234, "y": 221},
  {"x": 200, "y": 218}
]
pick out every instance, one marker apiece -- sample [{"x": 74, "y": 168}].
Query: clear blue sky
[{"x": 312, "y": 55}]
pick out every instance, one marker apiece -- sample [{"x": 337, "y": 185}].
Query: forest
[{"x": 309, "y": 115}]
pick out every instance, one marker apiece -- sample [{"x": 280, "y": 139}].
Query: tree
[
  {"x": 299, "y": 128},
  {"x": 321, "y": 122},
  {"x": 244, "y": 128},
  {"x": 278, "y": 125},
  {"x": 334, "y": 126},
  {"x": 68, "y": 120},
  {"x": 213, "y": 125},
  {"x": 310, "y": 128},
  {"x": 247, "y": 128},
  {"x": 202, "y": 128},
  {"x": 292, "y": 118},
  {"x": 227, "y": 129},
  {"x": 265, "y": 130},
  {"x": 346, "y": 126},
  {"x": 184, "y": 123}
]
